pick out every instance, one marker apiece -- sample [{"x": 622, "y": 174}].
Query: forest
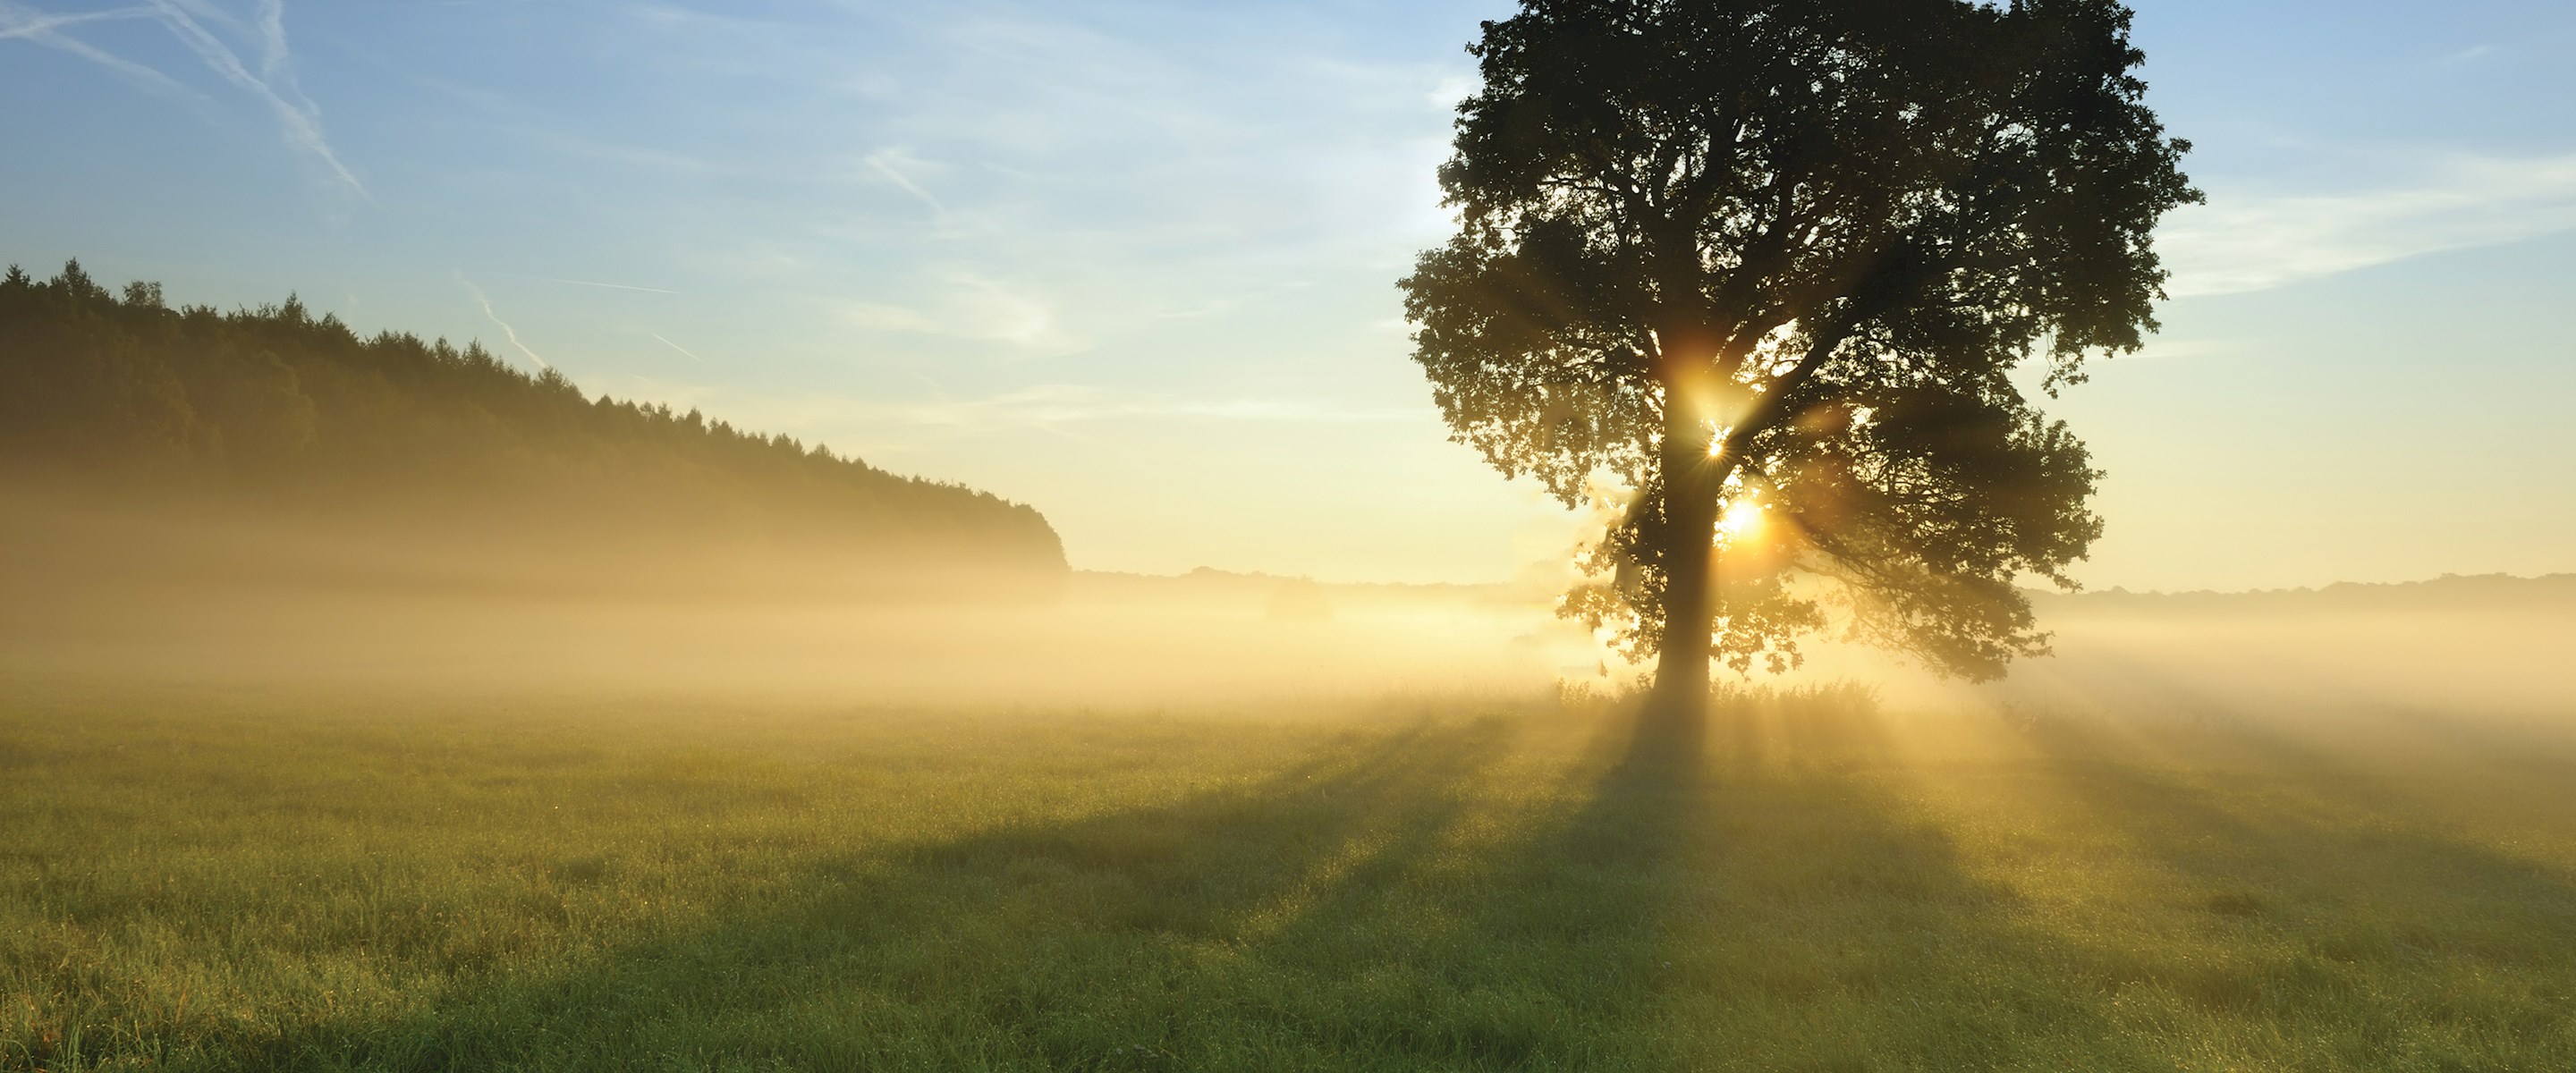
[{"x": 187, "y": 435}]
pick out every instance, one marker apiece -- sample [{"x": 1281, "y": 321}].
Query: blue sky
[{"x": 1133, "y": 262}]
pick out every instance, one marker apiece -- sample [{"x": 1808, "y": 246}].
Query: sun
[{"x": 1742, "y": 521}]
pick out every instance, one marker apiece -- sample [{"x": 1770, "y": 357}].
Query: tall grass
[{"x": 265, "y": 881}]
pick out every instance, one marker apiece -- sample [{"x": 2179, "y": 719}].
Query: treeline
[
  {"x": 422, "y": 450},
  {"x": 2448, "y": 594}
]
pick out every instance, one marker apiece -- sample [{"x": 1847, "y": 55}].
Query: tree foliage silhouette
[{"x": 1769, "y": 265}]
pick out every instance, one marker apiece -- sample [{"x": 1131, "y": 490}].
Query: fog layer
[{"x": 151, "y": 594}]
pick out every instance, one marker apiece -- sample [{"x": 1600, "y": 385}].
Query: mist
[
  {"x": 99, "y": 588},
  {"x": 147, "y": 592}
]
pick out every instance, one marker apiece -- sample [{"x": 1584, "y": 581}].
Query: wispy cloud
[
  {"x": 2160, "y": 348},
  {"x": 1055, "y": 404},
  {"x": 607, "y": 286},
  {"x": 1040, "y": 406},
  {"x": 1453, "y": 89},
  {"x": 1084, "y": 154},
  {"x": 507, "y": 331},
  {"x": 196, "y": 24},
  {"x": 2253, "y": 242},
  {"x": 664, "y": 161},
  {"x": 971, "y": 306}
]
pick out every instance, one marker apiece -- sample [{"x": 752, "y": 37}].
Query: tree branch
[{"x": 1774, "y": 405}]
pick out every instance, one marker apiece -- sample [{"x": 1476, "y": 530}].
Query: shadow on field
[
  {"x": 1333, "y": 916},
  {"x": 1828, "y": 922},
  {"x": 1403, "y": 900},
  {"x": 2365, "y": 845},
  {"x": 1574, "y": 891},
  {"x": 1424, "y": 898}
]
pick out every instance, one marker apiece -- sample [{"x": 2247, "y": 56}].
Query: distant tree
[{"x": 1770, "y": 265}]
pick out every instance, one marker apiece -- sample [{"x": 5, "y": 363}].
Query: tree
[{"x": 1771, "y": 265}]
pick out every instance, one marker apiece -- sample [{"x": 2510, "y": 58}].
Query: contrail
[
  {"x": 877, "y": 161},
  {"x": 272, "y": 39},
  {"x": 275, "y": 84},
  {"x": 39, "y": 27},
  {"x": 513, "y": 333},
  {"x": 301, "y": 118},
  {"x": 681, "y": 349},
  {"x": 24, "y": 23}
]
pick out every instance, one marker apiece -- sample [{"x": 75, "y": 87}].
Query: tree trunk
[{"x": 1677, "y": 709}]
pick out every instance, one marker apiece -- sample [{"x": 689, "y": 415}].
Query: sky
[{"x": 1133, "y": 261}]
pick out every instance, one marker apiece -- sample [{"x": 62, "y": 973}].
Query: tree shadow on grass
[
  {"x": 1428, "y": 898},
  {"x": 2256, "y": 801},
  {"x": 2319, "y": 902},
  {"x": 1243, "y": 927}
]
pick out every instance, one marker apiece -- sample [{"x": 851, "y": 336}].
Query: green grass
[{"x": 255, "y": 881}]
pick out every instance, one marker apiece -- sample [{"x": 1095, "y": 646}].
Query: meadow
[{"x": 246, "y": 877}]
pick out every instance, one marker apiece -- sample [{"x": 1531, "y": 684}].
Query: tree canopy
[{"x": 1767, "y": 268}]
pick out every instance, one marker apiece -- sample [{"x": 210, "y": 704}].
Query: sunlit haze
[
  {"x": 973, "y": 534},
  {"x": 1132, "y": 263}
]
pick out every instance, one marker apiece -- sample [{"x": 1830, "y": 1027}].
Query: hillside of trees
[{"x": 137, "y": 437}]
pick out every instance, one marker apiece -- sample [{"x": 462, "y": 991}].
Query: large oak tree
[{"x": 1768, "y": 266}]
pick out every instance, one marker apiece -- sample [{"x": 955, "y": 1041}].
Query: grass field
[{"x": 257, "y": 880}]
